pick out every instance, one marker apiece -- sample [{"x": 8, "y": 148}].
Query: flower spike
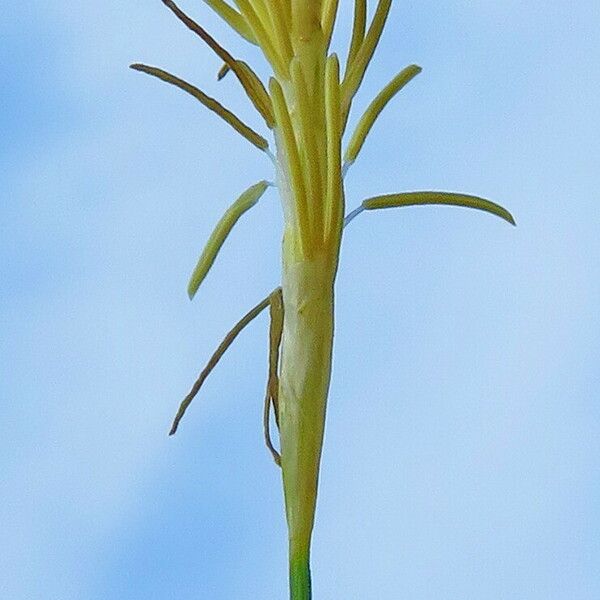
[{"x": 306, "y": 105}]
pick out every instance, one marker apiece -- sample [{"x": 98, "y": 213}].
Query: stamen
[
  {"x": 233, "y": 18},
  {"x": 334, "y": 207},
  {"x": 352, "y": 215},
  {"x": 264, "y": 39},
  {"x": 375, "y": 108},
  {"x": 252, "y": 85},
  {"x": 267, "y": 429},
  {"x": 210, "y": 103},
  {"x": 286, "y": 131},
  {"x": 215, "y": 358},
  {"x": 256, "y": 91},
  {"x": 447, "y": 198},
  {"x": 345, "y": 168},
  {"x": 272, "y": 393},
  {"x": 313, "y": 176},
  {"x": 330, "y": 8},
  {"x": 225, "y": 68},
  {"x": 217, "y": 238},
  {"x": 276, "y": 312},
  {"x": 355, "y": 73},
  {"x": 358, "y": 30},
  {"x": 282, "y": 31},
  {"x": 262, "y": 12},
  {"x": 272, "y": 157}
]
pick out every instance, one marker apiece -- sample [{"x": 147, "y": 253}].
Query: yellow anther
[
  {"x": 374, "y": 110},
  {"x": 215, "y": 358},
  {"x": 210, "y": 103},
  {"x": 355, "y": 72},
  {"x": 447, "y": 198},
  {"x": 272, "y": 393},
  {"x": 358, "y": 29},
  {"x": 335, "y": 208},
  {"x": 289, "y": 146},
  {"x": 217, "y": 238},
  {"x": 330, "y": 8},
  {"x": 233, "y": 18},
  {"x": 252, "y": 85}
]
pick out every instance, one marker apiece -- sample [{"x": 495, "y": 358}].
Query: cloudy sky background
[{"x": 462, "y": 455}]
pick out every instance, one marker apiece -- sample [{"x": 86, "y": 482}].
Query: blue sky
[{"x": 462, "y": 453}]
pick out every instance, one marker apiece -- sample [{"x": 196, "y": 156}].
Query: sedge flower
[{"x": 305, "y": 105}]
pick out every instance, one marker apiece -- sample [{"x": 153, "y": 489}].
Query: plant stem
[
  {"x": 300, "y": 584},
  {"x": 303, "y": 386}
]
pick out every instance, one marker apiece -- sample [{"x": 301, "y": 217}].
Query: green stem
[{"x": 300, "y": 585}]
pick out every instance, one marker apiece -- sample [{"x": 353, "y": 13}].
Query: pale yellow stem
[{"x": 306, "y": 353}]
